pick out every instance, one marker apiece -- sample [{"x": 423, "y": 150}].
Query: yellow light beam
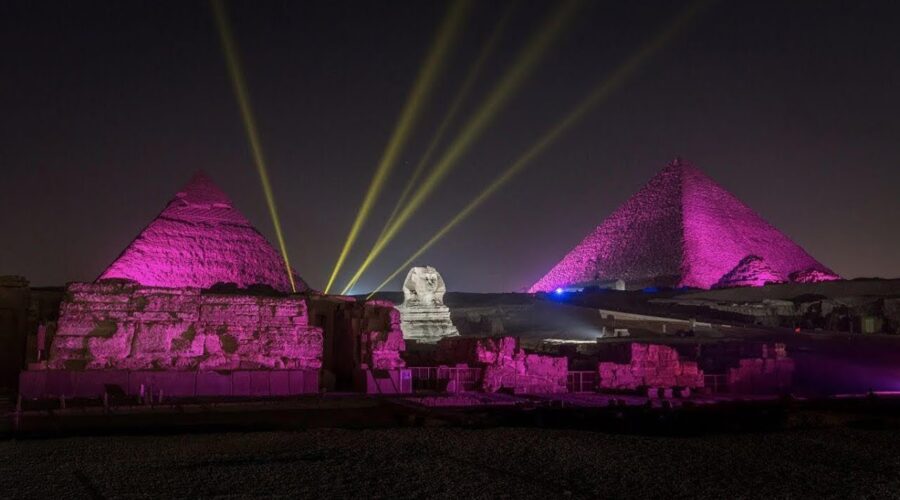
[
  {"x": 490, "y": 107},
  {"x": 600, "y": 93},
  {"x": 232, "y": 60},
  {"x": 424, "y": 82},
  {"x": 455, "y": 106}
]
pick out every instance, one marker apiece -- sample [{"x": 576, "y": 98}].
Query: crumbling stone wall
[
  {"x": 124, "y": 325},
  {"x": 771, "y": 372},
  {"x": 382, "y": 343},
  {"x": 651, "y": 365},
  {"x": 506, "y": 365}
]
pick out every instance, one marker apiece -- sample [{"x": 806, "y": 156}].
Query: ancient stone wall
[
  {"x": 506, "y": 365},
  {"x": 123, "y": 325},
  {"x": 771, "y": 372},
  {"x": 382, "y": 343},
  {"x": 651, "y": 365}
]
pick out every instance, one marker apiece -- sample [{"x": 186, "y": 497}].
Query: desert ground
[{"x": 427, "y": 462}]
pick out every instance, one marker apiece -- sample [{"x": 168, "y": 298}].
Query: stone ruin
[
  {"x": 650, "y": 366},
  {"x": 126, "y": 326},
  {"x": 737, "y": 367},
  {"x": 198, "y": 289},
  {"x": 505, "y": 365},
  {"x": 424, "y": 317},
  {"x": 381, "y": 349},
  {"x": 771, "y": 372},
  {"x": 752, "y": 270}
]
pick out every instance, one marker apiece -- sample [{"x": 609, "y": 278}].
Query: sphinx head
[{"x": 424, "y": 285}]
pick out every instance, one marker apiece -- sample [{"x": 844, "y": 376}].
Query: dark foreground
[
  {"x": 455, "y": 463},
  {"x": 357, "y": 447}
]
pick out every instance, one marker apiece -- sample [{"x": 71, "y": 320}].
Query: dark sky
[{"x": 106, "y": 109}]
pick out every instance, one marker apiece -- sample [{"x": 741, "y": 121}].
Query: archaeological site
[{"x": 682, "y": 294}]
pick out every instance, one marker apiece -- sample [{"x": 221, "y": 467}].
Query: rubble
[
  {"x": 505, "y": 365},
  {"x": 651, "y": 365},
  {"x": 770, "y": 373},
  {"x": 752, "y": 270},
  {"x": 381, "y": 349}
]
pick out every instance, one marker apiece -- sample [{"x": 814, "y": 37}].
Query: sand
[{"x": 455, "y": 463}]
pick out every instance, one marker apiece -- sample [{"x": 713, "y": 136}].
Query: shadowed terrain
[{"x": 455, "y": 463}]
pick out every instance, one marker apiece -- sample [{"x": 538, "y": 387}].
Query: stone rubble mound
[
  {"x": 752, "y": 270},
  {"x": 812, "y": 276}
]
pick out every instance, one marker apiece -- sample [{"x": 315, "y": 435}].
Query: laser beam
[
  {"x": 600, "y": 93},
  {"x": 422, "y": 87},
  {"x": 525, "y": 62},
  {"x": 455, "y": 106},
  {"x": 232, "y": 60}
]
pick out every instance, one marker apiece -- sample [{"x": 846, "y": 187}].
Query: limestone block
[{"x": 182, "y": 329}]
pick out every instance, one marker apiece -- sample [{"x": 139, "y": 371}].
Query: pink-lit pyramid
[
  {"x": 199, "y": 240},
  {"x": 683, "y": 229}
]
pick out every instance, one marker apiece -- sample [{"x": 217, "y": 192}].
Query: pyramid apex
[
  {"x": 200, "y": 240},
  {"x": 680, "y": 164},
  {"x": 201, "y": 190}
]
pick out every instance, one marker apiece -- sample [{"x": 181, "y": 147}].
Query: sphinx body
[{"x": 423, "y": 315}]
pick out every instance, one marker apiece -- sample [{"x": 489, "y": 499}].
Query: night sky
[{"x": 107, "y": 108}]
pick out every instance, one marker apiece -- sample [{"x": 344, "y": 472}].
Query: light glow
[
  {"x": 232, "y": 60},
  {"x": 455, "y": 106},
  {"x": 525, "y": 63},
  {"x": 447, "y": 34},
  {"x": 601, "y": 92}
]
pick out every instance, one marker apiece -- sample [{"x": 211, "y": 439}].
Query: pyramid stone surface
[
  {"x": 751, "y": 271},
  {"x": 680, "y": 229},
  {"x": 199, "y": 240}
]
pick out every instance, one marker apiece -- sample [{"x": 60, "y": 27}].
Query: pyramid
[
  {"x": 752, "y": 270},
  {"x": 680, "y": 230},
  {"x": 199, "y": 240}
]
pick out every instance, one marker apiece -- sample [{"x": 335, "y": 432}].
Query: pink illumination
[
  {"x": 650, "y": 365},
  {"x": 199, "y": 240},
  {"x": 681, "y": 229},
  {"x": 750, "y": 271},
  {"x": 126, "y": 326}
]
